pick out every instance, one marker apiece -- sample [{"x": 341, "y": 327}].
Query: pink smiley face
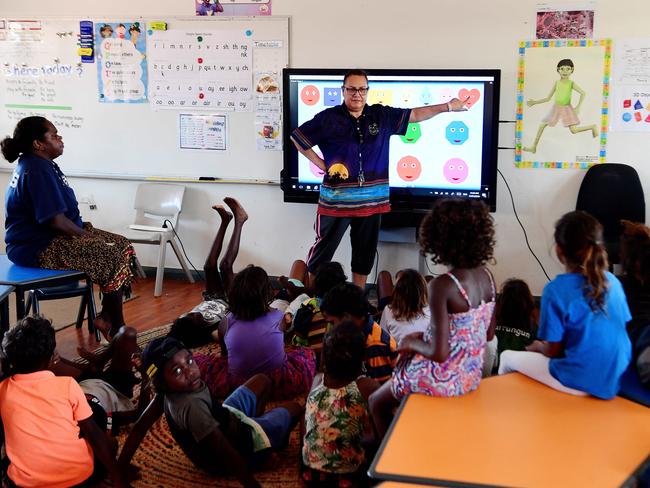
[
  {"x": 455, "y": 170},
  {"x": 310, "y": 95},
  {"x": 409, "y": 168}
]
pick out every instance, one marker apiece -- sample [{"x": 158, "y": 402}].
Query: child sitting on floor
[
  {"x": 229, "y": 438},
  {"x": 309, "y": 326},
  {"x": 252, "y": 342},
  {"x": 44, "y": 415},
  {"x": 585, "y": 347},
  {"x": 408, "y": 311},
  {"x": 448, "y": 359},
  {"x": 347, "y": 301},
  {"x": 109, "y": 389},
  {"x": 199, "y": 326},
  {"x": 515, "y": 316},
  {"x": 635, "y": 258},
  {"x": 336, "y": 415}
]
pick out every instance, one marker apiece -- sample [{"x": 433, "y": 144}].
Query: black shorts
[{"x": 364, "y": 235}]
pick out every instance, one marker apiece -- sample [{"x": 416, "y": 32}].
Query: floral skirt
[
  {"x": 291, "y": 379},
  {"x": 105, "y": 257}
]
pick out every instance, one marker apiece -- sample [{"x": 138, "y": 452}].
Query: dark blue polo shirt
[
  {"x": 38, "y": 191},
  {"x": 352, "y": 145}
]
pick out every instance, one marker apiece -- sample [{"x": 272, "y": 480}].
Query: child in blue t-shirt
[{"x": 583, "y": 346}]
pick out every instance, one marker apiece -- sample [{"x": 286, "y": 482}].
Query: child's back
[
  {"x": 596, "y": 345},
  {"x": 584, "y": 347},
  {"x": 515, "y": 316},
  {"x": 336, "y": 416},
  {"x": 40, "y": 412}
]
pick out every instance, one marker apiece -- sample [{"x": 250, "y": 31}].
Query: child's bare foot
[
  {"x": 237, "y": 210},
  {"x": 84, "y": 353},
  {"x": 594, "y": 131},
  {"x": 530, "y": 149},
  {"x": 223, "y": 213},
  {"x": 103, "y": 326}
]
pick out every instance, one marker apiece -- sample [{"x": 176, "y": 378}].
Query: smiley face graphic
[
  {"x": 457, "y": 132},
  {"x": 338, "y": 170},
  {"x": 310, "y": 95},
  {"x": 455, "y": 170},
  {"x": 409, "y": 168},
  {"x": 331, "y": 96},
  {"x": 413, "y": 133}
]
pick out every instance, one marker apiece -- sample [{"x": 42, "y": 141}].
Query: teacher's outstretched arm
[{"x": 426, "y": 112}]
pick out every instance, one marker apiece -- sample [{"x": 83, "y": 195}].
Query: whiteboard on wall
[{"x": 42, "y": 74}]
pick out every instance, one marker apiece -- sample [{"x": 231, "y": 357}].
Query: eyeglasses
[{"x": 350, "y": 90}]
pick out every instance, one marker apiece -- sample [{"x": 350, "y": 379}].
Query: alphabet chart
[{"x": 200, "y": 70}]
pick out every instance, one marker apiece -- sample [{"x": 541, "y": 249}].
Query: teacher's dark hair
[
  {"x": 355, "y": 72},
  {"x": 26, "y": 132}
]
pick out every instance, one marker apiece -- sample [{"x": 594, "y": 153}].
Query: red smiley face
[
  {"x": 409, "y": 168},
  {"x": 309, "y": 95}
]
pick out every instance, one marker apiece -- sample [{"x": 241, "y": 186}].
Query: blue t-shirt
[
  {"x": 596, "y": 347},
  {"x": 38, "y": 191}
]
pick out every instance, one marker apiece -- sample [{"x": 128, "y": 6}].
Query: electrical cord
[
  {"x": 182, "y": 247},
  {"x": 512, "y": 200}
]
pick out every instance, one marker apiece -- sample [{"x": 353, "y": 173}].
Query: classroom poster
[
  {"x": 232, "y": 8},
  {"x": 575, "y": 21},
  {"x": 630, "y": 106},
  {"x": 121, "y": 62},
  {"x": 200, "y": 70},
  {"x": 202, "y": 131},
  {"x": 562, "y": 103}
]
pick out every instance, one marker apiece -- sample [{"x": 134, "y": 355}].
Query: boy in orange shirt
[{"x": 43, "y": 415}]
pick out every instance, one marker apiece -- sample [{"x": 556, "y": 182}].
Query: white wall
[{"x": 374, "y": 34}]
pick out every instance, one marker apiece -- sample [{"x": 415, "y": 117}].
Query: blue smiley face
[
  {"x": 331, "y": 96},
  {"x": 457, "y": 132}
]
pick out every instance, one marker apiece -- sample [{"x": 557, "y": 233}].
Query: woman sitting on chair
[{"x": 43, "y": 226}]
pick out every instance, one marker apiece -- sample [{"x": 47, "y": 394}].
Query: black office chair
[{"x": 612, "y": 192}]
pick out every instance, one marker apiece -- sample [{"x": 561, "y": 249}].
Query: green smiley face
[{"x": 413, "y": 133}]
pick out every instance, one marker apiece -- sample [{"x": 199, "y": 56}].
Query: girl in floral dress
[
  {"x": 447, "y": 360},
  {"x": 336, "y": 417}
]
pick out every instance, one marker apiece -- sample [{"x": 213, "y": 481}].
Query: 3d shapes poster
[
  {"x": 562, "y": 103},
  {"x": 121, "y": 66},
  {"x": 630, "y": 106}
]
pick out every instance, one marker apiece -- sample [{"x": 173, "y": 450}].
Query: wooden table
[{"x": 514, "y": 431}]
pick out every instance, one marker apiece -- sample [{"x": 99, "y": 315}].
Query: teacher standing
[
  {"x": 354, "y": 139},
  {"x": 43, "y": 226}
]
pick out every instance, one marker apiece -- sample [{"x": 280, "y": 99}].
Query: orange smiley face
[
  {"x": 409, "y": 168},
  {"x": 310, "y": 95}
]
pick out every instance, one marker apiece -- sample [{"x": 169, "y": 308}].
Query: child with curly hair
[
  {"x": 447, "y": 360},
  {"x": 584, "y": 348},
  {"x": 336, "y": 419}
]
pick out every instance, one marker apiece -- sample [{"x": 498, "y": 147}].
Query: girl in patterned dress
[
  {"x": 447, "y": 360},
  {"x": 336, "y": 417}
]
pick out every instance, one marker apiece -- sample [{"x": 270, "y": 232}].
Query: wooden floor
[{"x": 143, "y": 312}]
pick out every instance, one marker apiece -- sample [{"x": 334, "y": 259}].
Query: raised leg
[
  {"x": 225, "y": 267},
  {"x": 213, "y": 282}
]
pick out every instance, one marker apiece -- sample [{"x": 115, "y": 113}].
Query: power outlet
[{"x": 88, "y": 200}]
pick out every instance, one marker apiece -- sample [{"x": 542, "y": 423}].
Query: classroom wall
[{"x": 377, "y": 34}]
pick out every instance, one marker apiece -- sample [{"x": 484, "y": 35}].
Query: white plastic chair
[{"x": 156, "y": 203}]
